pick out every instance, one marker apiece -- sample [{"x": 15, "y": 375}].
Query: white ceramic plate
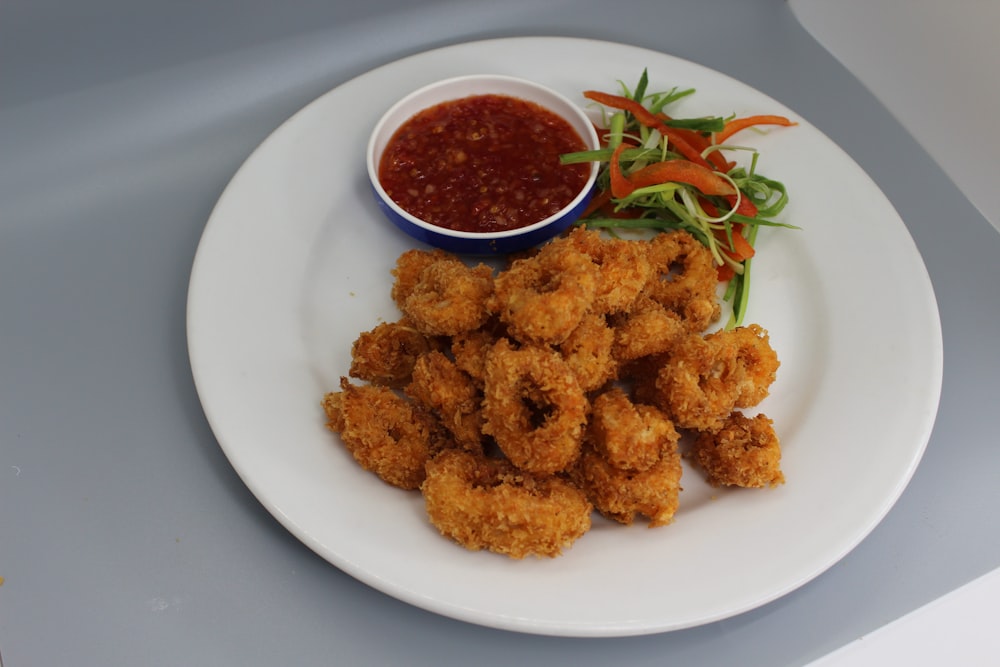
[{"x": 295, "y": 262}]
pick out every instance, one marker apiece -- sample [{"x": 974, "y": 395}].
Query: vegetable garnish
[{"x": 662, "y": 173}]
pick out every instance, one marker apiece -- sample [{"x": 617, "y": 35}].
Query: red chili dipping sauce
[{"x": 485, "y": 163}]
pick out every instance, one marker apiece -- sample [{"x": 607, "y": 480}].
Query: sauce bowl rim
[{"x": 470, "y": 85}]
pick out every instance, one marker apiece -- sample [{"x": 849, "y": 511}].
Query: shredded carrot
[
  {"x": 737, "y": 124},
  {"x": 620, "y": 186},
  {"x": 649, "y": 119},
  {"x": 725, "y": 273},
  {"x": 744, "y": 206},
  {"x": 703, "y": 190},
  {"x": 641, "y": 113},
  {"x": 682, "y": 146},
  {"x": 682, "y": 171},
  {"x": 700, "y": 142},
  {"x": 742, "y": 247}
]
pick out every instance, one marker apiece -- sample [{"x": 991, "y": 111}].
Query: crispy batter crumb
[{"x": 744, "y": 452}]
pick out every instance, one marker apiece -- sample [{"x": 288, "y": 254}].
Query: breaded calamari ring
[
  {"x": 385, "y": 355},
  {"x": 744, "y": 452},
  {"x": 698, "y": 314},
  {"x": 385, "y": 433},
  {"x": 534, "y": 407},
  {"x": 409, "y": 266},
  {"x": 684, "y": 278},
  {"x": 699, "y": 384},
  {"x": 444, "y": 390},
  {"x": 588, "y": 352},
  {"x": 621, "y": 495},
  {"x": 483, "y": 503},
  {"x": 759, "y": 361},
  {"x": 639, "y": 378},
  {"x": 647, "y": 329},
  {"x": 449, "y": 298},
  {"x": 623, "y": 268},
  {"x": 630, "y": 436},
  {"x": 542, "y": 298},
  {"x": 469, "y": 349},
  {"x": 333, "y": 406}
]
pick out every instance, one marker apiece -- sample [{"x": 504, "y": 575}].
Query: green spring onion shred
[{"x": 672, "y": 206}]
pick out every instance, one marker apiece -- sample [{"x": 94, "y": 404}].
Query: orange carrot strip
[
  {"x": 724, "y": 272},
  {"x": 682, "y": 146},
  {"x": 745, "y": 206},
  {"x": 708, "y": 207},
  {"x": 644, "y": 116},
  {"x": 620, "y": 186},
  {"x": 737, "y": 124},
  {"x": 741, "y": 249},
  {"x": 682, "y": 171},
  {"x": 641, "y": 113},
  {"x": 700, "y": 142}
]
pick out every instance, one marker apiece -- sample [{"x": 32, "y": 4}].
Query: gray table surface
[{"x": 125, "y": 536}]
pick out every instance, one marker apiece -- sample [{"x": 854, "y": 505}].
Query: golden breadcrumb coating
[
  {"x": 758, "y": 359},
  {"x": 443, "y": 389},
  {"x": 589, "y": 352},
  {"x": 384, "y": 433},
  {"x": 542, "y": 298},
  {"x": 683, "y": 278},
  {"x": 623, "y": 268},
  {"x": 489, "y": 504},
  {"x": 630, "y": 436},
  {"x": 534, "y": 407},
  {"x": 409, "y": 266},
  {"x": 449, "y": 298},
  {"x": 744, "y": 452},
  {"x": 647, "y": 329},
  {"x": 386, "y": 354},
  {"x": 699, "y": 384},
  {"x": 622, "y": 495}
]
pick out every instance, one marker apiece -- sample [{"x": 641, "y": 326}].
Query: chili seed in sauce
[{"x": 484, "y": 163}]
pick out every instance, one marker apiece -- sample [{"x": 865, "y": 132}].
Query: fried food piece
[
  {"x": 744, "y": 452},
  {"x": 699, "y": 313},
  {"x": 700, "y": 383},
  {"x": 488, "y": 504},
  {"x": 333, "y": 407},
  {"x": 639, "y": 378},
  {"x": 588, "y": 352},
  {"x": 683, "y": 278},
  {"x": 759, "y": 360},
  {"x": 443, "y": 389},
  {"x": 647, "y": 329},
  {"x": 542, "y": 299},
  {"x": 631, "y": 462},
  {"x": 449, "y": 298},
  {"x": 534, "y": 407},
  {"x": 623, "y": 268},
  {"x": 622, "y": 495},
  {"x": 409, "y": 266},
  {"x": 470, "y": 348},
  {"x": 386, "y": 354},
  {"x": 630, "y": 436},
  {"x": 385, "y": 433}
]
